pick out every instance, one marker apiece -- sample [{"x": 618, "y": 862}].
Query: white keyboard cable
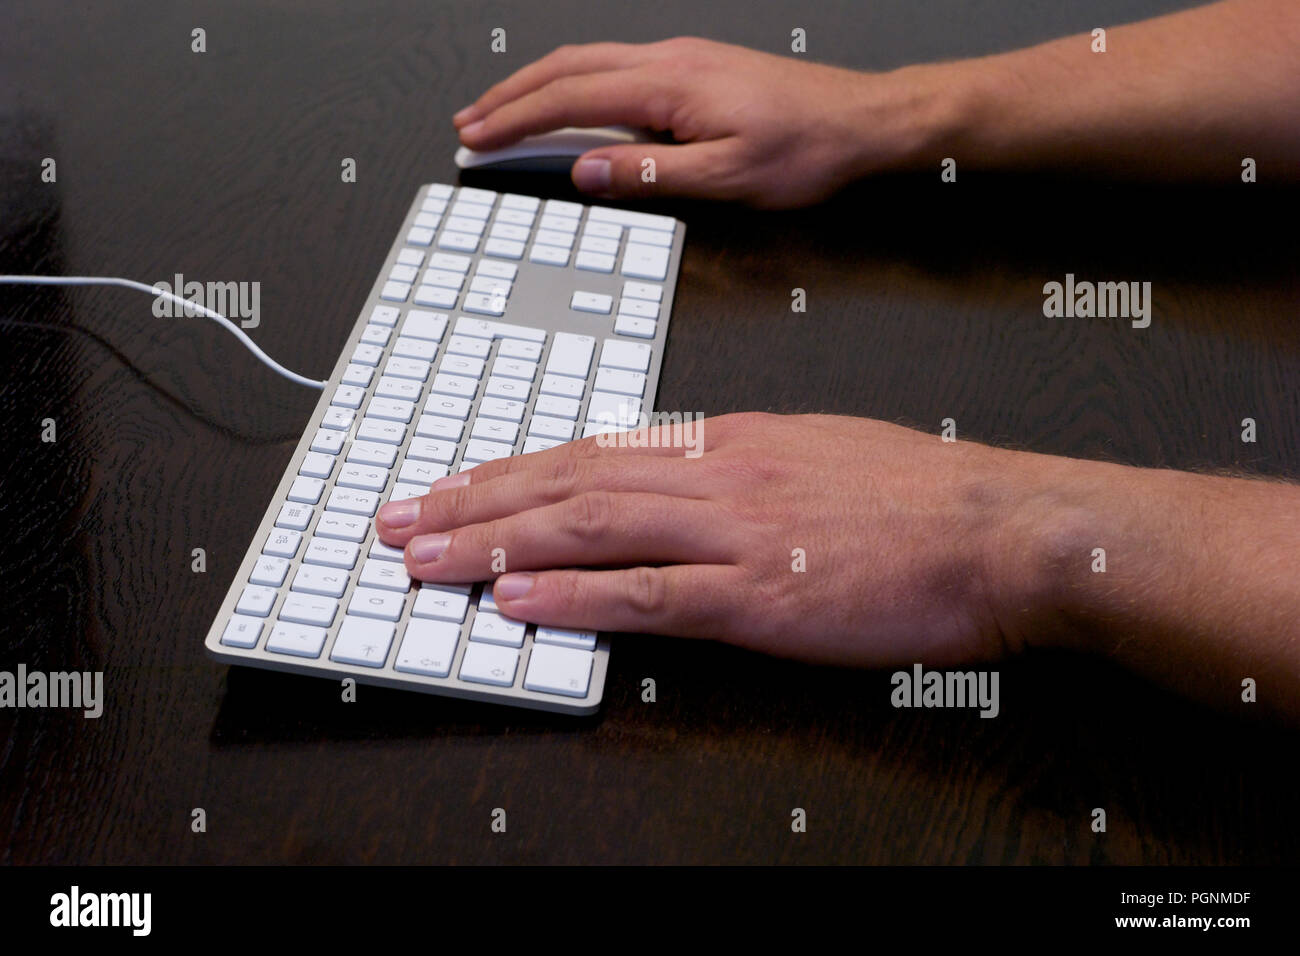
[{"x": 252, "y": 346}]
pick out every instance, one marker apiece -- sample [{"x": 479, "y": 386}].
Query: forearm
[
  {"x": 1187, "y": 95},
  {"x": 1201, "y": 582}
]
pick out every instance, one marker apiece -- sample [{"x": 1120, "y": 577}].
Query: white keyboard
[{"x": 499, "y": 325}]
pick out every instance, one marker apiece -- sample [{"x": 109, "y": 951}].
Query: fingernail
[
  {"x": 592, "y": 175},
  {"x": 428, "y": 547},
  {"x": 399, "y": 514},
  {"x": 473, "y": 129},
  {"x": 461, "y": 115},
  {"x": 512, "y": 586},
  {"x": 451, "y": 481}
]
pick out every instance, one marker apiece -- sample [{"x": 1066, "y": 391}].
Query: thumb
[{"x": 704, "y": 170}]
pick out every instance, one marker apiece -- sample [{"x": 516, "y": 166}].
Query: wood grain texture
[{"x": 924, "y": 303}]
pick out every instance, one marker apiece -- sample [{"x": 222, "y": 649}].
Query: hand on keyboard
[
  {"x": 768, "y": 130},
  {"x": 896, "y": 530}
]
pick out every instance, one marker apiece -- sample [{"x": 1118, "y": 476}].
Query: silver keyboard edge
[{"x": 449, "y": 686}]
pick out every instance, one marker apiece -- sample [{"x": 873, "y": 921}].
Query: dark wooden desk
[{"x": 924, "y": 303}]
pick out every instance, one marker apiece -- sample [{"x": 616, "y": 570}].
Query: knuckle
[
  {"x": 590, "y": 515},
  {"x": 647, "y": 592},
  {"x": 562, "y": 478},
  {"x": 448, "y": 509}
]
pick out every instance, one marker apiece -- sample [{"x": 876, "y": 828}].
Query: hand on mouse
[{"x": 768, "y": 130}]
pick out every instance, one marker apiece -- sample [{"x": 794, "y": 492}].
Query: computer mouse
[{"x": 550, "y": 152}]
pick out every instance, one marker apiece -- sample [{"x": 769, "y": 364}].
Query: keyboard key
[
  {"x": 517, "y": 348},
  {"x": 419, "y": 236},
  {"x": 591, "y": 302},
  {"x": 425, "y": 325},
  {"x": 384, "y": 315},
  {"x": 295, "y": 517},
  {"x": 461, "y": 365},
  {"x": 414, "y": 257},
  {"x": 428, "y": 648},
  {"x": 340, "y": 419},
  {"x": 620, "y": 380},
  {"x": 382, "y": 551},
  {"x": 489, "y": 664},
  {"x": 515, "y": 201},
  {"x": 478, "y": 450},
  {"x": 376, "y": 603},
  {"x": 557, "y": 428},
  {"x": 561, "y": 207},
  {"x": 464, "y": 345},
  {"x": 571, "y": 354},
  {"x": 306, "y": 490},
  {"x": 632, "y": 356},
  {"x": 348, "y": 396},
  {"x": 309, "y": 609},
  {"x": 563, "y": 386},
  {"x": 650, "y": 237},
  {"x": 495, "y": 430},
  {"x": 484, "y": 197},
  {"x": 515, "y": 217},
  {"x": 328, "y": 441},
  {"x": 606, "y": 408},
  {"x": 256, "y": 601},
  {"x": 492, "y": 628},
  {"x": 415, "y": 348},
  {"x": 645, "y": 262},
  {"x": 444, "y": 384},
  {"x": 505, "y": 248},
  {"x": 637, "y": 328},
  {"x": 444, "y": 605},
  {"x": 470, "y": 225},
  {"x": 435, "y": 426},
  {"x": 242, "y": 631},
  {"x": 502, "y": 408},
  {"x": 385, "y": 575},
  {"x": 395, "y": 291},
  {"x": 331, "y": 554},
  {"x": 639, "y": 308},
  {"x": 316, "y": 465},
  {"x": 445, "y": 278},
  {"x": 282, "y": 544},
  {"x": 342, "y": 526},
  {"x": 269, "y": 571},
  {"x": 399, "y": 388},
  {"x": 447, "y": 406},
  {"x": 381, "y": 430},
  {"x": 500, "y": 387},
  {"x": 431, "y": 449},
  {"x": 558, "y": 670},
  {"x": 594, "y": 261},
  {"x": 554, "y": 239},
  {"x": 603, "y": 230},
  {"x": 367, "y": 355},
  {"x": 549, "y": 255},
  {"x": 315, "y": 579},
  {"x": 627, "y": 217},
  {"x": 439, "y": 191},
  {"x": 503, "y": 230},
  {"x": 352, "y": 502},
  {"x": 297, "y": 640},
  {"x": 497, "y": 270},
  {"x": 403, "y": 273},
  {"x": 592, "y": 243},
  {"x": 403, "y": 490},
  {"x": 583, "y": 640},
  {"x": 460, "y": 241},
  {"x": 436, "y": 296},
  {"x": 481, "y": 304},
  {"x": 363, "y": 642},
  {"x": 421, "y": 473},
  {"x": 521, "y": 369},
  {"x": 450, "y": 262},
  {"x": 393, "y": 409},
  {"x": 413, "y": 369},
  {"x": 490, "y": 285},
  {"x": 358, "y": 375},
  {"x": 555, "y": 407},
  {"x": 373, "y": 453}
]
